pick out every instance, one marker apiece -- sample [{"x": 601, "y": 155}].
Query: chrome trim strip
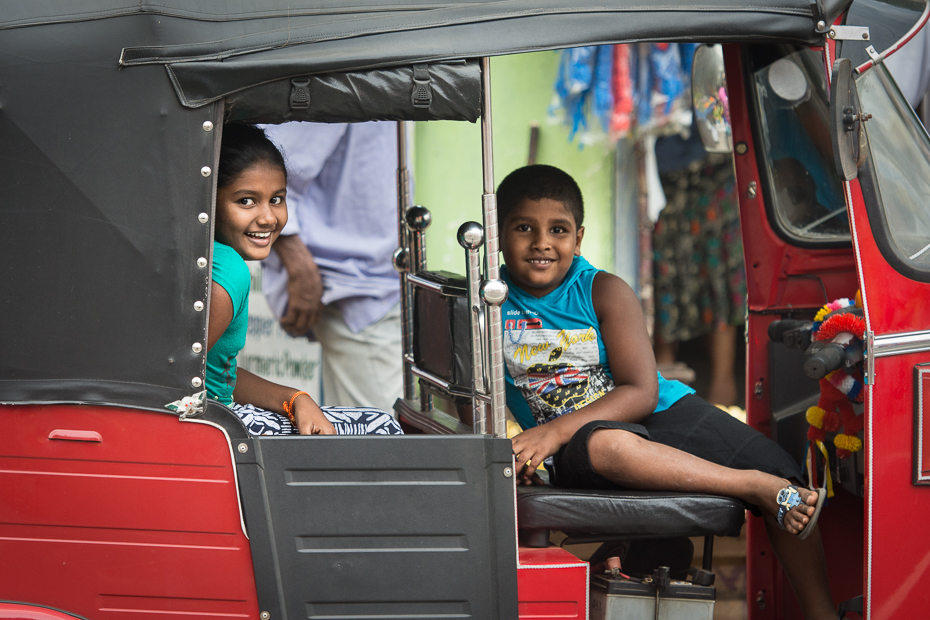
[
  {"x": 403, "y": 242},
  {"x": 870, "y": 369},
  {"x": 445, "y": 385},
  {"x": 495, "y": 332},
  {"x": 442, "y": 289},
  {"x": 232, "y": 457},
  {"x": 920, "y": 427},
  {"x": 900, "y": 344}
]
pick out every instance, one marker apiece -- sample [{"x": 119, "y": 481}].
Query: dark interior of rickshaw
[
  {"x": 449, "y": 494},
  {"x": 442, "y": 357},
  {"x": 113, "y": 508}
]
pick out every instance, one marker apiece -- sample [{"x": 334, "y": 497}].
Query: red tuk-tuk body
[{"x": 112, "y": 506}]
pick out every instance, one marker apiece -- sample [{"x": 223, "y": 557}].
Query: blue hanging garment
[
  {"x": 666, "y": 62},
  {"x": 642, "y": 84},
  {"x": 603, "y": 100},
  {"x": 576, "y": 75}
]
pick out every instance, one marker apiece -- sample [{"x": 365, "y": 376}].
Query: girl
[{"x": 250, "y": 213}]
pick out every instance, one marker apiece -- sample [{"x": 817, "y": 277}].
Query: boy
[{"x": 582, "y": 382}]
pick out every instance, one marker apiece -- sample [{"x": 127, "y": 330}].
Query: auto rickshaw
[{"x": 113, "y": 505}]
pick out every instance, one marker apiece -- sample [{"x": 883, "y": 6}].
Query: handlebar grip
[
  {"x": 777, "y": 329},
  {"x": 825, "y": 361}
]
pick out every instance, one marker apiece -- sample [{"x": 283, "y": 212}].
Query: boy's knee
[{"x": 609, "y": 447}]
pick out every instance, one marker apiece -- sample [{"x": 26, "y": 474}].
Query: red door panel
[
  {"x": 898, "y": 542},
  {"x": 143, "y": 523},
  {"x": 783, "y": 279}
]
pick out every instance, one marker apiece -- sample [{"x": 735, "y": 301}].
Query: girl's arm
[
  {"x": 260, "y": 392},
  {"x": 632, "y": 364},
  {"x": 251, "y": 388}
]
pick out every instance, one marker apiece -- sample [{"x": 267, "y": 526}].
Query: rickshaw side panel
[
  {"x": 112, "y": 513},
  {"x": 782, "y": 279},
  {"x": 113, "y": 178},
  {"x": 896, "y": 509}
]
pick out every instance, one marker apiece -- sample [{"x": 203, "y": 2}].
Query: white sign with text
[{"x": 271, "y": 353}]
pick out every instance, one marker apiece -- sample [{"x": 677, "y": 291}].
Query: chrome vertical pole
[
  {"x": 493, "y": 290},
  {"x": 402, "y": 259},
  {"x": 417, "y": 219},
  {"x": 470, "y": 236}
]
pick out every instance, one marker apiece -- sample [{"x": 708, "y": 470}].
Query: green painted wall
[{"x": 447, "y": 161}]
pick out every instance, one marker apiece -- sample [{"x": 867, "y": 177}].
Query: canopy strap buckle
[
  {"x": 422, "y": 96},
  {"x": 300, "y": 93}
]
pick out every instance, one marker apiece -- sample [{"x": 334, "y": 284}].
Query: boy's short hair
[{"x": 535, "y": 183}]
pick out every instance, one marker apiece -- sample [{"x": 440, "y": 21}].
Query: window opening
[
  {"x": 807, "y": 201},
  {"x": 899, "y": 158}
]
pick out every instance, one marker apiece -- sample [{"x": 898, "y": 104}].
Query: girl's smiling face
[{"x": 251, "y": 210}]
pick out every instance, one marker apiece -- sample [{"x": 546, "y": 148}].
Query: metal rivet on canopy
[
  {"x": 205, "y": 171},
  {"x": 203, "y": 218},
  {"x": 201, "y": 262},
  {"x": 196, "y": 382},
  {"x": 198, "y": 306},
  {"x": 207, "y": 126},
  {"x": 196, "y": 347}
]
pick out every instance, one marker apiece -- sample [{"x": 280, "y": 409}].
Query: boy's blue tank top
[{"x": 554, "y": 353}]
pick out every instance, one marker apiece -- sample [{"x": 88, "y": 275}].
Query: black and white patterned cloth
[{"x": 347, "y": 420}]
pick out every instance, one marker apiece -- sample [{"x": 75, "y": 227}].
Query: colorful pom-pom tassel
[
  {"x": 815, "y": 416},
  {"x": 853, "y": 425},
  {"x": 815, "y": 434},
  {"x": 848, "y": 443}
]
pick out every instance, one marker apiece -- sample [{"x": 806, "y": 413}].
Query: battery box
[{"x": 616, "y": 598}]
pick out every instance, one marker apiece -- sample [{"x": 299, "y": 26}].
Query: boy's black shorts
[{"x": 691, "y": 425}]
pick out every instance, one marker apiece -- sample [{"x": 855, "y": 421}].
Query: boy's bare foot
[{"x": 798, "y": 517}]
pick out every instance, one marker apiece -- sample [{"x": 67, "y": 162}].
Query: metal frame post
[
  {"x": 495, "y": 335},
  {"x": 403, "y": 260},
  {"x": 471, "y": 236}
]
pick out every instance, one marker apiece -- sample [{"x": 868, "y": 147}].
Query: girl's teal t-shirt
[{"x": 230, "y": 272}]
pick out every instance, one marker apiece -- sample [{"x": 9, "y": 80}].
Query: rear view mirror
[
  {"x": 709, "y": 98},
  {"x": 846, "y": 127}
]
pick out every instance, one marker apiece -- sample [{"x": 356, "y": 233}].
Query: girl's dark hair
[
  {"x": 243, "y": 146},
  {"x": 535, "y": 183}
]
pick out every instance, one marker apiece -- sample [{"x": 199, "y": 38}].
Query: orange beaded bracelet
[{"x": 289, "y": 407}]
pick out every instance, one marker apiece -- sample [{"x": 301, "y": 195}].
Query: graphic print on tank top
[{"x": 557, "y": 371}]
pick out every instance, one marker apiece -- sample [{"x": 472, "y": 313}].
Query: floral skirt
[
  {"x": 699, "y": 277},
  {"x": 347, "y": 420}
]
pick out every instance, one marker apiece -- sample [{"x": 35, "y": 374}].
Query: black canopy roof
[{"x": 216, "y": 47}]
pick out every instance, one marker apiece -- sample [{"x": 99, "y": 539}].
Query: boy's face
[{"x": 539, "y": 240}]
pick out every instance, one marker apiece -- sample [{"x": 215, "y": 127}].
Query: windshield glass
[
  {"x": 899, "y": 152},
  {"x": 793, "y": 100}
]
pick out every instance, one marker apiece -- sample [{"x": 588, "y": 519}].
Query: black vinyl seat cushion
[{"x": 630, "y": 514}]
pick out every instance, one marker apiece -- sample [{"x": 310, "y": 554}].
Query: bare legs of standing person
[{"x": 721, "y": 348}]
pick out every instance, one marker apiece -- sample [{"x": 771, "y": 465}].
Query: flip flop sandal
[{"x": 788, "y": 498}]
